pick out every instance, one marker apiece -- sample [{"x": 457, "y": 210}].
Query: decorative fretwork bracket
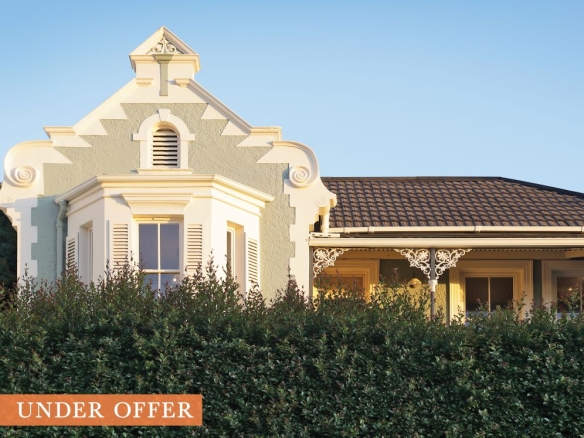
[
  {"x": 444, "y": 259},
  {"x": 325, "y": 257},
  {"x": 433, "y": 262}
]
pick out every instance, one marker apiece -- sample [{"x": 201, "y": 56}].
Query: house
[{"x": 164, "y": 173}]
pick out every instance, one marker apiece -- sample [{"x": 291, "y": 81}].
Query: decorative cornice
[
  {"x": 182, "y": 82},
  {"x": 144, "y": 82},
  {"x": 325, "y": 257},
  {"x": 53, "y": 131},
  {"x": 169, "y": 180},
  {"x": 276, "y": 131}
]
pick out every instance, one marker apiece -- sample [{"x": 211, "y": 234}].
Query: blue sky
[{"x": 376, "y": 88}]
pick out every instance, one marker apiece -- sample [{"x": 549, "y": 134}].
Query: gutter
[
  {"x": 60, "y": 237},
  {"x": 446, "y": 242}
]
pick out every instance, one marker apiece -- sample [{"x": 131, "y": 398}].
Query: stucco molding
[
  {"x": 219, "y": 107},
  {"x": 23, "y": 184},
  {"x": 308, "y": 196},
  {"x": 205, "y": 185}
]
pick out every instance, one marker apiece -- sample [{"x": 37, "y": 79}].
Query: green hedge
[{"x": 336, "y": 367}]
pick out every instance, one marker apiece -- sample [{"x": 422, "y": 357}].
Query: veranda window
[
  {"x": 488, "y": 293},
  {"x": 569, "y": 294}
]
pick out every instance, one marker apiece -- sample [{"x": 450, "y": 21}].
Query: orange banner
[{"x": 101, "y": 410}]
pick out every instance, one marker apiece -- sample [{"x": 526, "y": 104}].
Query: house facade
[{"x": 164, "y": 174}]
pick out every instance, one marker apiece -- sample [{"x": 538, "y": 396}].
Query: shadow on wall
[{"x": 7, "y": 252}]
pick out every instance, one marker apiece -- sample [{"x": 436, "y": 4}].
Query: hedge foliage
[{"x": 337, "y": 367}]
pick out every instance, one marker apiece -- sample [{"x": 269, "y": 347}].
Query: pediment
[{"x": 163, "y": 41}]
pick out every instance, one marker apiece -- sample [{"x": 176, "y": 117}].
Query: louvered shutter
[
  {"x": 164, "y": 148},
  {"x": 120, "y": 245},
  {"x": 253, "y": 263},
  {"x": 71, "y": 253},
  {"x": 194, "y": 247}
]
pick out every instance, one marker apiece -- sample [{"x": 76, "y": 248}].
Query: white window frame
[{"x": 158, "y": 221}]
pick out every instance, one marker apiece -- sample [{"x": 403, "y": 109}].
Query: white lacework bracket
[
  {"x": 444, "y": 259},
  {"x": 325, "y": 257}
]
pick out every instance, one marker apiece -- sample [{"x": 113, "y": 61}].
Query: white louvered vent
[
  {"x": 164, "y": 148},
  {"x": 120, "y": 245},
  {"x": 253, "y": 262},
  {"x": 194, "y": 246},
  {"x": 71, "y": 253}
]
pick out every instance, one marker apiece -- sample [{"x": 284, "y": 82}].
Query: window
[
  {"x": 362, "y": 273},
  {"x": 569, "y": 292},
  {"x": 165, "y": 150},
  {"x": 491, "y": 292},
  {"x": 491, "y": 282},
  {"x": 563, "y": 284},
  {"x": 159, "y": 253}
]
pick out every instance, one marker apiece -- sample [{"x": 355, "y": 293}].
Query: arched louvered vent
[{"x": 164, "y": 147}]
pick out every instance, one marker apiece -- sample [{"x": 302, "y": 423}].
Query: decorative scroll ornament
[
  {"x": 325, "y": 257},
  {"x": 321, "y": 201},
  {"x": 300, "y": 176},
  {"x": 418, "y": 258},
  {"x": 445, "y": 259},
  {"x": 164, "y": 47},
  {"x": 7, "y": 202},
  {"x": 23, "y": 176}
]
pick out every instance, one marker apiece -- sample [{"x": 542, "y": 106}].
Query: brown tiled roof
[{"x": 451, "y": 201}]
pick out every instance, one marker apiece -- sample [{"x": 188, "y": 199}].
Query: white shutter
[
  {"x": 194, "y": 246},
  {"x": 253, "y": 263},
  {"x": 71, "y": 253},
  {"x": 120, "y": 245},
  {"x": 164, "y": 148}
]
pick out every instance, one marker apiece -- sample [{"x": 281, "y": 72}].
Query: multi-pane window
[
  {"x": 159, "y": 253},
  {"x": 488, "y": 293}
]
